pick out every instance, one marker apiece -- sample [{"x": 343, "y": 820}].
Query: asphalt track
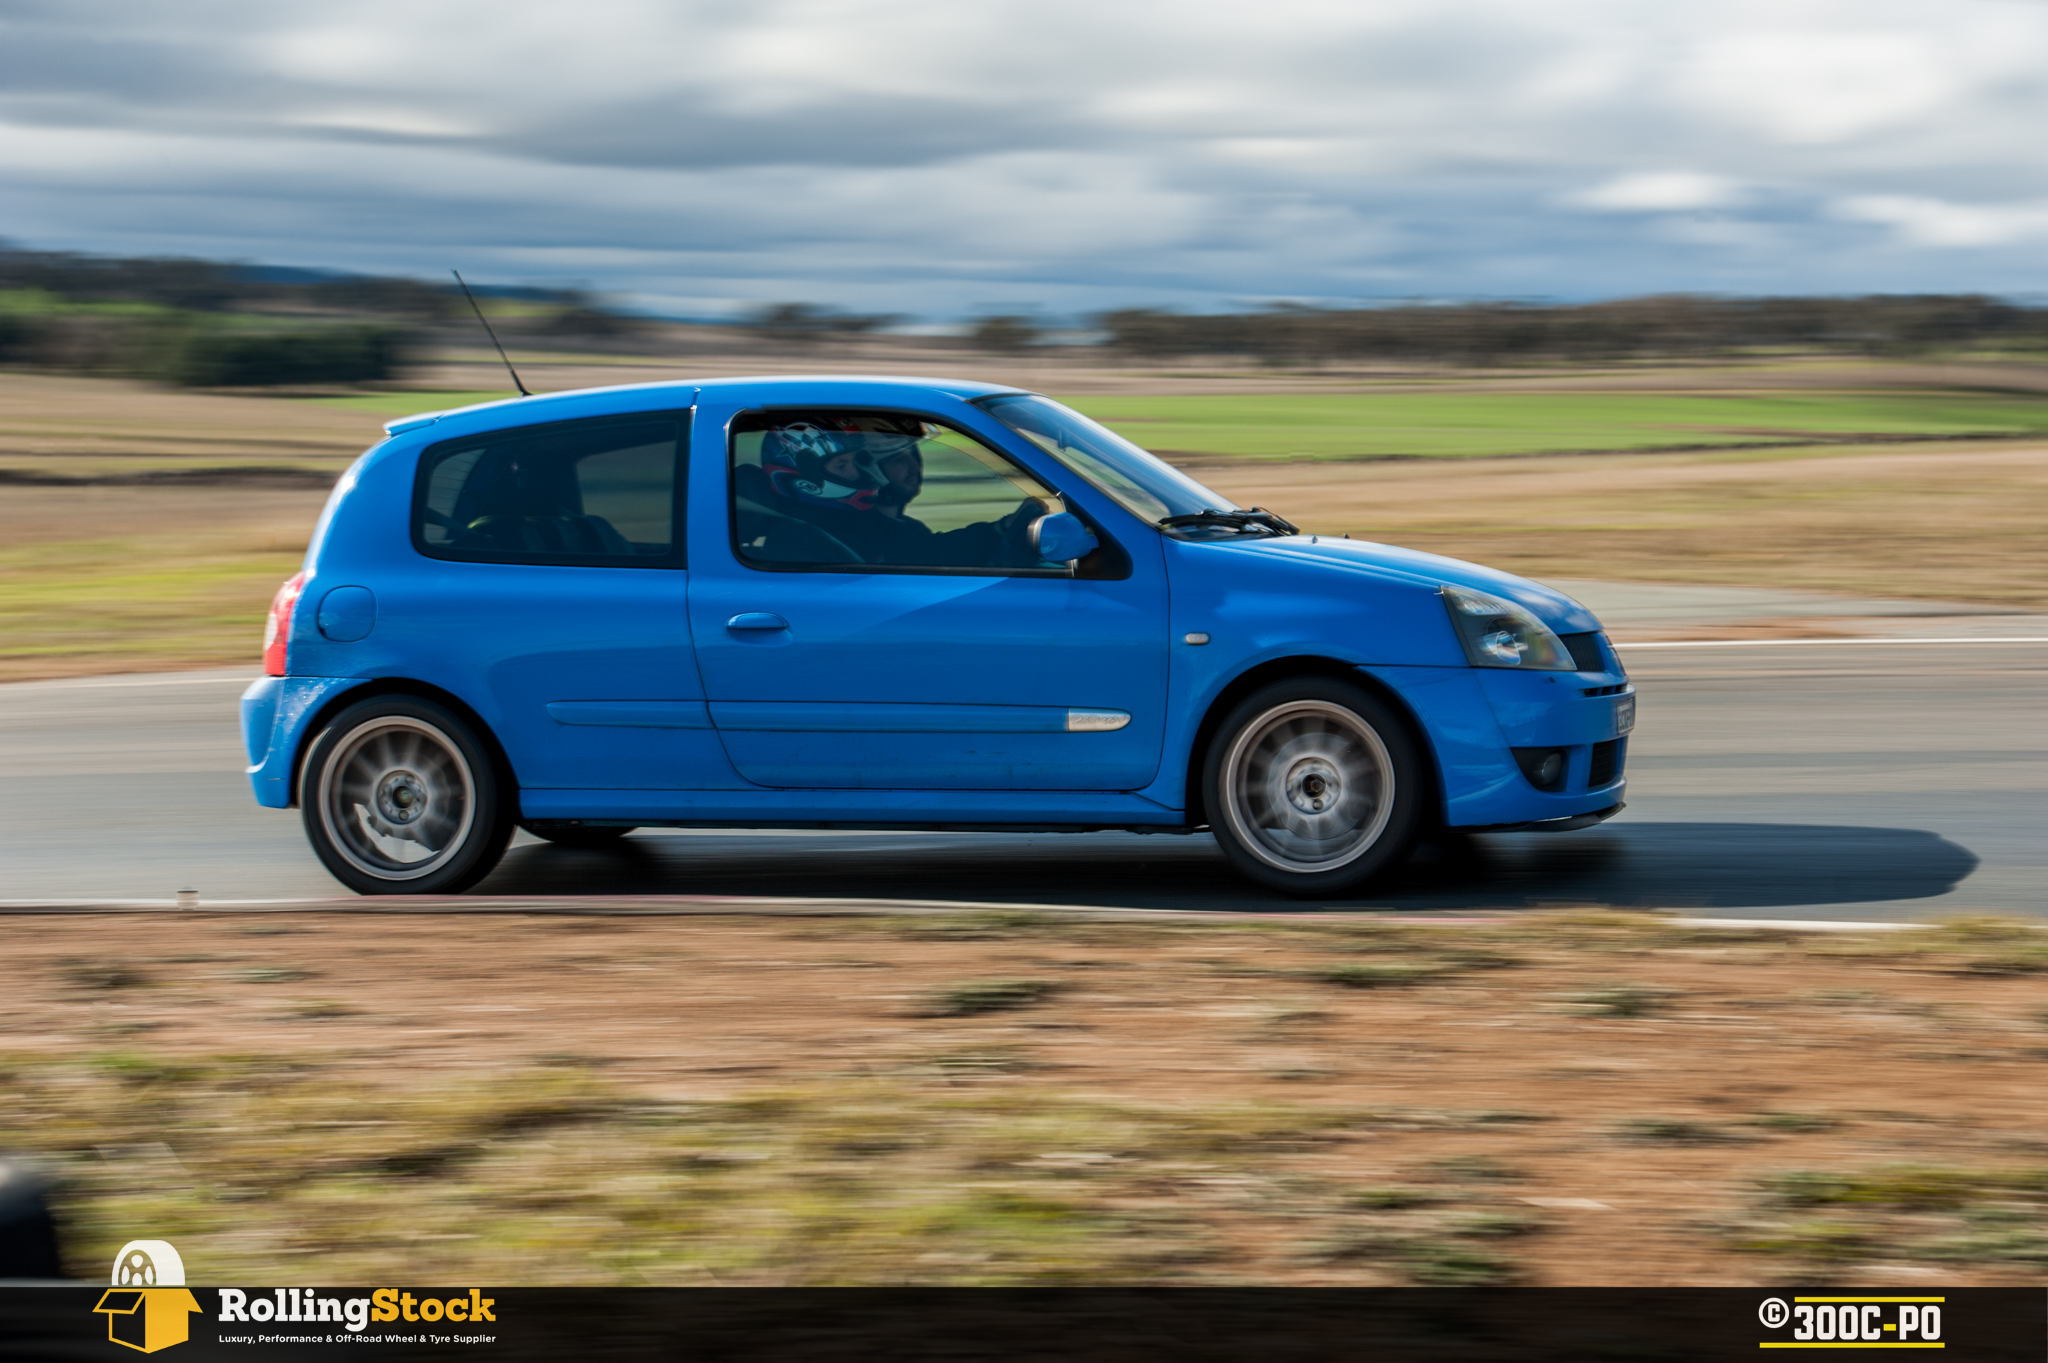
[{"x": 1844, "y": 780}]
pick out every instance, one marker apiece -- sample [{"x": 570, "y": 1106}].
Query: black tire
[
  {"x": 394, "y": 773},
  {"x": 1314, "y": 786},
  {"x": 587, "y": 839}
]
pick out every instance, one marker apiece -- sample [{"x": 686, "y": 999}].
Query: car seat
[
  {"x": 556, "y": 533},
  {"x": 769, "y": 534}
]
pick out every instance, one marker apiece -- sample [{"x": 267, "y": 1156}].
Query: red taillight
[{"x": 278, "y": 632}]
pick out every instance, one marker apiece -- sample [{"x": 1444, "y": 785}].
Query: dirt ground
[{"x": 1552, "y": 1098}]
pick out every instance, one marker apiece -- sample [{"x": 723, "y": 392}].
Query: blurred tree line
[
  {"x": 804, "y": 323},
  {"x": 202, "y": 323},
  {"x": 1671, "y": 325},
  {"x": 206, "y": 323}
]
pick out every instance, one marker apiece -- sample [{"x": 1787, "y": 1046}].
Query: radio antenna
[{"x": 492, "y": 334}]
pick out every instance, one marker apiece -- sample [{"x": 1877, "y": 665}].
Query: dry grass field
[
  {"x": 137, "y": 578},
  {"x": 142, "y": 528},
  {"x": 1928, "y": 522},
  {"x": 1566, "y": 1098}
]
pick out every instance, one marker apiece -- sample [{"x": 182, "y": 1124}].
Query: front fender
[{"x": 1256, "y": 609}]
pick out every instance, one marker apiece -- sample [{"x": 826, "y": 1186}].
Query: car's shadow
[{"x": 1638, "y": 864}]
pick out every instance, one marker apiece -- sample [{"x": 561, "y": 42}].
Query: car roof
[{"x": 595, "y": 401}]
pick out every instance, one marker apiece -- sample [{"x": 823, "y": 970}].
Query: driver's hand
[
  {"x": 1018, "y": 521},
  {"x": 1015, "y": 530}
]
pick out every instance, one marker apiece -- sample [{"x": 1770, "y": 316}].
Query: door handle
[{"x": 756, "y": 620}]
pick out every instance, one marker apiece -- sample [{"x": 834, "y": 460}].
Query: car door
[
  {"x": 942, "y": 657},
  {"x": 554, "y": 597}
]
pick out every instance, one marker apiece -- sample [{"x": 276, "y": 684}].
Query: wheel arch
[
  {"x": 1284, "y": 669},
  {"x": 403, "y": 686}
]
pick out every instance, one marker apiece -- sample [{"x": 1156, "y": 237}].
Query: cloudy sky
[{"x": 950, "y": 157}]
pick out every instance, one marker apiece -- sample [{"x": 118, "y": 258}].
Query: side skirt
[
  {"x": 982, "y": 810},
  {"x": 871, "y": 826}
]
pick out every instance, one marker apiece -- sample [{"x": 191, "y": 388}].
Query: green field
[
  {"x": 1472, "y": 425},
  {"x": 1475, "y": 425}
]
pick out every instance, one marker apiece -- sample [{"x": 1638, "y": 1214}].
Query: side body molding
[
  {"x": 632, "y": 714},
  {"x": 885, "y": 717}
]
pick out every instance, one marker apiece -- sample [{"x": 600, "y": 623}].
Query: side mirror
[{"x": 1062, "y": 538}]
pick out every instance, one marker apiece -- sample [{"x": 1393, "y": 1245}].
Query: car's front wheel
[
  {"x": 400, "y": 797},
  {"x": 1314, "y": 786}
]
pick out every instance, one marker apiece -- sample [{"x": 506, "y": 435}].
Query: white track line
[
  {"x": 1807, "y": 643},
  {"x": 772, "y": 906}
]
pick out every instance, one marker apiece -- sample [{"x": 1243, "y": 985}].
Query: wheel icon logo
[
  {"x": 1774, "y": 1313},
  {"x": 147, "y": 1264}
]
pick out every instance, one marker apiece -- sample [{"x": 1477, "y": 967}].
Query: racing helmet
[
  {"x": 880, "y": 445},
  {"x": 885, "y": 446},
  {"x": 808, "y": 463}
]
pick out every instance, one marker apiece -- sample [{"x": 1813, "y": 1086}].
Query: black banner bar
[{"x": 916, "y": 1325}]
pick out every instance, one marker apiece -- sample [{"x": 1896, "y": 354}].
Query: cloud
[
  {"x": 1819, "y": 87},
  {"x": 912, "y": 155},
  {"x": 1932, "y": 222},
  {"x": 1660, "y": 191}
]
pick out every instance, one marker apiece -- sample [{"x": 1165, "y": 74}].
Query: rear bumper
[{"x": 276, "y": 712}]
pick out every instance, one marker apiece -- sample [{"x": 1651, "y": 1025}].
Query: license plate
[{"x": 1624, "y": 714}]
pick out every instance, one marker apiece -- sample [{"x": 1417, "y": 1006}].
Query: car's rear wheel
[
  {"x": 400, "y": 797},
  {"x": 582, "y": 837},
  {"x": 1314, "y": 786}
]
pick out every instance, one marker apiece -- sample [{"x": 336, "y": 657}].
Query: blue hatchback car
[{"x": 890, "y": 603}]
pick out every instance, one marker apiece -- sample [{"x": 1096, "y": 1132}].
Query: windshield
[{"x": 1139, "y": 481}]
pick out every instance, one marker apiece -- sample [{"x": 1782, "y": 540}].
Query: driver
[
  {"x": 855, "y": 484},
  {"x": 902, "y": 468}
]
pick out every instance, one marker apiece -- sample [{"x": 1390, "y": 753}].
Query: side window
[
  {"x": 579, "y": 493},
  {"x": 880, "y": 491}
]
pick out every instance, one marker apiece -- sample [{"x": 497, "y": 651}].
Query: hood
[{"x": 1551, "y": 606}]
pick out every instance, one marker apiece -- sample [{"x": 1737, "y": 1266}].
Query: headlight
[{"x": 1499, "y": 633}]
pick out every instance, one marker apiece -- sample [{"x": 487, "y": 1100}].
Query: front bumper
[
  {"x": 276, "y": 713},
  {"x": 1567, "y": 825},
  {"x": 1476, "y": 716}
]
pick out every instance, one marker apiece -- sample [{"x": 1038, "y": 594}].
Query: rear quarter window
[{"x": 600, "y": 493}]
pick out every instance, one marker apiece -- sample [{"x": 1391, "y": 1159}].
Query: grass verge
[
  {"x": 744, "y": 1101},
  {"x": 537, "y": 1175}
]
